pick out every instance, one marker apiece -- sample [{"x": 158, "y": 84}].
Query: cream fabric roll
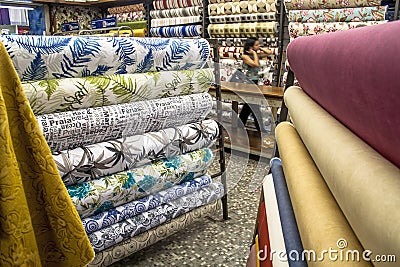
[
  {"x": 365, "y": 185},
  {"x": 320, "y": 220}
]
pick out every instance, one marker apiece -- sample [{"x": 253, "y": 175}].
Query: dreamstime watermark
[{"x": 332, "y": 254}]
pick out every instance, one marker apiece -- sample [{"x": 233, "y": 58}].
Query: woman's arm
[{"x": 251, "y": 62}]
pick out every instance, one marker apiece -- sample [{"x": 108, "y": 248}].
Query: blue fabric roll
[{"x": 289, "y": 225}]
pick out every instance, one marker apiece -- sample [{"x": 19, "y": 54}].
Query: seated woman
[{"x": 251, "y": 66}]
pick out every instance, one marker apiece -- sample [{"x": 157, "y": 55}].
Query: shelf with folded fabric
[{"x": 128, "y": 134}]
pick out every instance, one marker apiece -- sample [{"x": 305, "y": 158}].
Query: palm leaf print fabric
[
  {"x": 96, "y": 196},
  {"x": 120, "y": 231},
  {"x": 55, "y": 57},
  {"x": 134, "y": 208},
  {"x": 339, "y": 15},
  {"x": 106, "y": 158},
  {"x": 59, "y": 95},
  {"x": 71, "y": 129}
]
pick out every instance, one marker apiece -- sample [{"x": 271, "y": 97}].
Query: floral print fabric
[
  {"x": 339, "y": 15},
  {"x": 297, "y": 29},
  {"x": 60, "y": 14},
  {"x": 96, "y": 196},
  {"x": 106, "y": 158},
  {"x": 130, "y": 227},
  {"x": 321, "y": 4},
  {"x": 68, "y": 130},
  {"x": 49, "y": 57},
  {"x": 58, "y": 95},
  {"x": 139, "y": 206}
]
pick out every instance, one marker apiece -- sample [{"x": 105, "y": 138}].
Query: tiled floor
[{"x": 212, "y": 241}]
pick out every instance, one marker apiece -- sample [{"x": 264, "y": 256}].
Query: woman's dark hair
[{"x": 249, "y": 43}]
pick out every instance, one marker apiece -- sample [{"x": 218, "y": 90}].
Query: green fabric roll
[
  {"x": 134, "y": 24},
  {"x": 365, "y": 185},
  {"x": 320, "y": 220},
  {"x": 59, "y": 95}
]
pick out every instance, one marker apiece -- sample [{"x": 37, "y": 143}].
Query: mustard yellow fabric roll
[
  {"x": 365, "y": 185},
  {"x": 39, "y": 225},
  {"x": 320, "y": 221}
]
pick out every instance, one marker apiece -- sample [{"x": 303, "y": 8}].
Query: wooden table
[{"x": 253, "y": 94}]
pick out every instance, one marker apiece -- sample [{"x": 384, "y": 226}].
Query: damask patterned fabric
[
  {"x": 321, "y": 4},
  {"x": 106, "y": 158},
  {"x": 71, "y": 129},
  {"x": 134, "y": 208},
  {"x": 130, "y": 227},
  {"x": 297, "y": 29},
  {"x": 177, "y": 12},
  {"x": 136, "y": 243},
  {"x": 39, "y": 225},
  {"x": 49, "y": 57},
  {"x": 339, "y": 15},
  {"x": 58, "y": 95},
  {"x": 178, "y": 31},
  {"x": 96, "y": 196}
]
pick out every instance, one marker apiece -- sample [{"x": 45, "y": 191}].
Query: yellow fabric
[
  {"x": 365, "y": 185},
  {"x": 136, "y": 32},
  {"x": 39, "y": 225},
  {"x": 320, "y": 221}
]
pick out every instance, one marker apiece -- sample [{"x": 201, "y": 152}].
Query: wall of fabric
[
  {"x": 133, "y": 143},
  {"x": 173, "y": 18},
  {"x": 133, "y": 16}
]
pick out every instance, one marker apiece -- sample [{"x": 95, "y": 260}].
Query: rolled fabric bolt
[
  {"x": 236, "y": 8},
  {"x": 253, "y": 5},
  {"x": 220, "y": 9},
  {"x": 273, "y": 7},
  {"x": 244, "y": 7},
  {"x": 228, "y": 8},
  {"x": 261, "y": 6},
  {"x": 236, "y": 29},
  {"x": 213, "y": 9},
  {"x": 252, "y": 29}
]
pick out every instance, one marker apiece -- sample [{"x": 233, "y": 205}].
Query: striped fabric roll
[
  {"x": 175, "y": 21},
  {"x": 169, "y": 4},
  {"x": 177, "y": 12},
  {"x": 178, "y": 31}
]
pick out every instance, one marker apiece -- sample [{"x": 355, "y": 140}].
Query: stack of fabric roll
[
  {"x": 125, "y": 121},
  {"x": 173, "y": 18},
  {"x": 133, "y": 16},
  {"x": 312, "y": 17}
]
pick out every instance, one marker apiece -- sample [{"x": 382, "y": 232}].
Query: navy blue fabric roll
[{"x": 289, "y": 225}]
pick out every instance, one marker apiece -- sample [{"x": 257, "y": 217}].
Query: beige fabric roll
[
  {"x": 365, "y": 185},
  {"x": 320, "y": 221}
]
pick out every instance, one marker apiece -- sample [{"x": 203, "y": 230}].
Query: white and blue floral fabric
[
  {"x": 131, "y": 209},
  {"x": 130, "y": 227},
  {"x": 50, "y": 57},
  {"x": 96, "y": 196}
]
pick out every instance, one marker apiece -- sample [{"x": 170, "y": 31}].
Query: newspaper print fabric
[
  {"x": 71, "y": 129},
  {"x": 96, "y": 196},
  {"x": 297, "y": 29},
  {"x": 128, "y": 228},
  {"x": 134, "y": 208},
  {"x": 339, "y": 15},
  {"x": 106, "y": 158},
  {"x": 322, "y": 4},
  {"x": 49, "y": 57},
  {"x": 59, "y": 95},
  {"x": 128, "y": 247}
]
